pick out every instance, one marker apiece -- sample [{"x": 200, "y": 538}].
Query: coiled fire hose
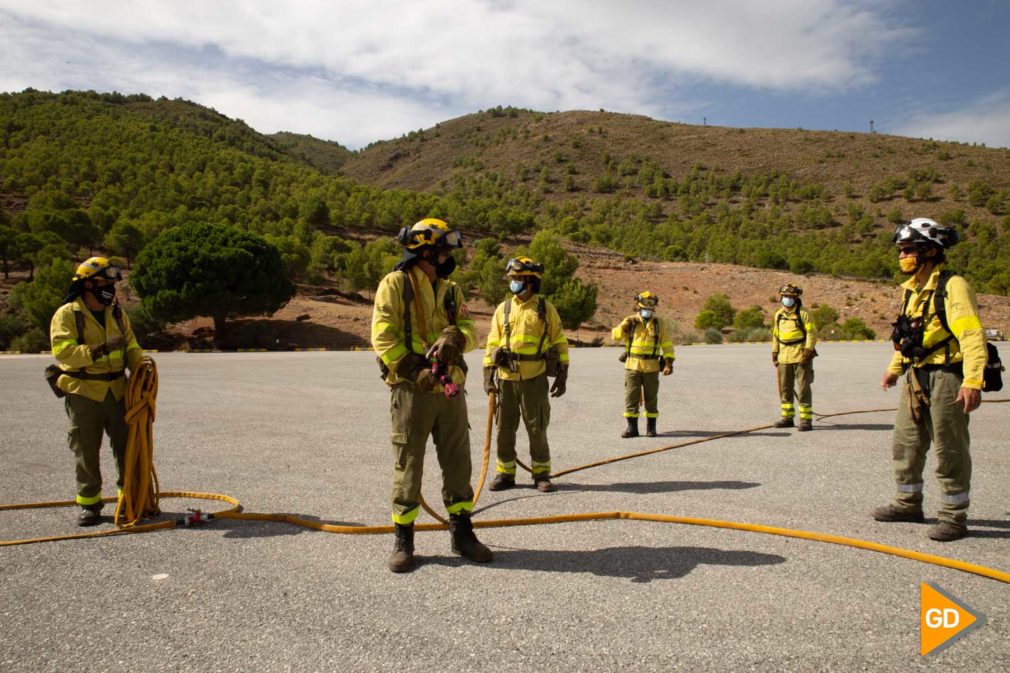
[
  {"x": 235, "y": 512},
  {"x": 138, "y": 498}
]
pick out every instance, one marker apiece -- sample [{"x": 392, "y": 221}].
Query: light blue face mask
[
  {"x": 646, "y": 313},
  {"x": 788, "y": 302},
  {"x": 517, "y": 286}
]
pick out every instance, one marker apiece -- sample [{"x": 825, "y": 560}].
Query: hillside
[
  {"x": 502, "y": 141},
  {"x": 82, "y": 172}
]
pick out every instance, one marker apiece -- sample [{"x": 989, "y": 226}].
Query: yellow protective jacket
[
  {"x": 77, "y": 357},
  {"x": 527, "y": 330},
  {"x": 787, "y": 335},
  {"x": 649, "y": 342},
  {"x": 968, "y": 344},
  {"x": 428, "y": 317}
]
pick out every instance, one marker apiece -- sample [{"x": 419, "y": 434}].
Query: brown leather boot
[
  {"x": 543, "y": 484},
  {"x": 464, "y": 542},
  {"x": 784, "y": 423},
  {"x": 890, "y": 513},
  {"x": 632, "y": 429},
  {"x": 402, "y": 558},
  {"x": 502, "y": 482},
  {"x": 947, "y": 531},
  {"x": 805, "y": 425}
]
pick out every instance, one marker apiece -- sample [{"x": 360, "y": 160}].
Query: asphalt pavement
[{"x": 308, "y": 433}]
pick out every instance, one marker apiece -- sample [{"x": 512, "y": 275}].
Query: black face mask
[
  {"x": 105, "y": 294},
  {"x": 443, "y": 269}
]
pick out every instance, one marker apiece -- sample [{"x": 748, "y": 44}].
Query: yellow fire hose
[
  {"x": 147, "y": 391},
  {"x": 139, "y": 496}
]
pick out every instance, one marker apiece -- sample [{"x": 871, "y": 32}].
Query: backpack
[{"x": 992, "y": 376}]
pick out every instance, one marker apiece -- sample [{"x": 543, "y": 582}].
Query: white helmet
[{"x": 925, "y": 230}]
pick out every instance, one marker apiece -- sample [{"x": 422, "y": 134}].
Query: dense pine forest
[{"x": 85, "y": 172}]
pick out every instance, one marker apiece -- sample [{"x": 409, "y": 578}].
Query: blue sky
[{"x": 356, "y": 71}]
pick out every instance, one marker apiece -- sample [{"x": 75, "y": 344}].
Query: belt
[
  {"x": 524, "y": 357},
  {"x": 87, "y": 376},
  {"x": 957, "y": 368},
  {"x": 645, "y": 357}
]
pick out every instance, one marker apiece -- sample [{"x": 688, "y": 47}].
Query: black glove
[
  {"x": 448, "y": 345},
  {"x": 560, "y": 381},
  {"x": 489, "y": 383}
]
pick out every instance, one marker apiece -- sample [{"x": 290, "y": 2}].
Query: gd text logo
[{"x": 943, "y": 619}]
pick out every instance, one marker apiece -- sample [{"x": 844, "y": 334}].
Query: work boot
[
  {"x": 890, "y": 513},
  {"x": 402, "y": 558},
  {"x": 89, "y": 516},
  {"x": 650, "y": 427},
  {"x": 947, "y": 531},
  {"x": 543, "y": 484},
  {"x": 464, "y": 542},
  {"x": 632, "y": 429},
  {"x": 805, "y": 425},
  {"x": 784, "y": 423},
  {"x": 502, "y": 482}
]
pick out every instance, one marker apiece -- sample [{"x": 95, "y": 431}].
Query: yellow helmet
[
  {"x": 430, "y": 231},
  {"x": 647, "y": 300},
  {"x": 790, "y": 290},
  {"x": 97, "y": 267},
  {"x": 523, "y": 266}
]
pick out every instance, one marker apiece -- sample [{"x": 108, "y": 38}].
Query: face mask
[
  {"x": 105, "y": 294},
  {"x": 646, "y": 313},
  {"x": 443, "y": 269},
  {"x": 517, "y": 286},
  {"x": 908, "y": 264},
  {"x": 788, "y": 302}
]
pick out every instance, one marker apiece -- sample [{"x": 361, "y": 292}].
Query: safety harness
[
  {"x": 451, "y": 308},
  {"x": 940, "y": 309},
  {"x": 117, "y": 313},
  {"x": 799, "y": 323},
  {"x": 542, "y": 315},
  {"x": 655, "y": 341}
]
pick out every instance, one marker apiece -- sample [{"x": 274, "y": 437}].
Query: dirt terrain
[{"x": 343, "y": 321}]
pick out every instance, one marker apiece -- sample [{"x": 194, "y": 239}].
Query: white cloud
[
  {"x": 400, "y": 65},
  {"x": 982, "y": 121}
]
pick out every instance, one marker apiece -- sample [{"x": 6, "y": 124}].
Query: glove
[
  {"x": 101, "y": 350},
  {"x": 500, "y": 357},
  {"x": 425, "y": 380},
  {"x": 448, "y": 345},
  {"x": 775, "y": 359},
  {"x": 628, "y": 324},
  {"x": 808, "y": 355},
  {"x": 560, "y": 381},
  {"x": 410, "y": 366},
  {"x": 489, "y": 384},
  {"x": 667, "y": 366}
]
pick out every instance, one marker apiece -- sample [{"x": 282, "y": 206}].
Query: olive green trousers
[
  {"x": 417, "y": 415},
  {"x": 88, "y": 421}
]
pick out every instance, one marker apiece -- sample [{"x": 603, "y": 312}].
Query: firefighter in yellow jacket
[
  {"x": 420, "y": 330},
  {"x": 794, "y": 336},
  {"x": 648, "y": 349},
  {"x": 93, "y": 342},
  {"x": 941, "y": 353},
  {"x": 525, "y": 344}
]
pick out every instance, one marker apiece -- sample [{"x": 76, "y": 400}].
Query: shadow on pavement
[
  {"x": 659, "y": 486},
  {"x": 855, "y": 426},
  {"x": 639, "y": 564},
  {"x": 974, "y": 531}
]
